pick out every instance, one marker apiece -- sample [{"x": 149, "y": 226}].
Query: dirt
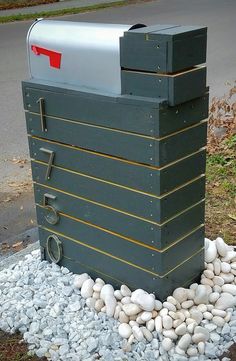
[
  {"x": 9, "y": 4},
  {"x": 12, "y": 348},
  {"x": 231, "y": 353}
]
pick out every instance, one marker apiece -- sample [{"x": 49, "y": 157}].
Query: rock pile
[{"x": 48, "y": 305}]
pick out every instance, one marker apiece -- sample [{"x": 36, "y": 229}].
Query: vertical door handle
[
  {"x": 42, "y": 114},
  {"x": 50, "y": 161}
]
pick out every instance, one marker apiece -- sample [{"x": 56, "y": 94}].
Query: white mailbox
[{"x": 81, "y": 54}]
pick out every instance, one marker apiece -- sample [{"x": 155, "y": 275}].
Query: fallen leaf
[
  {"x": 8, "y": 199},
  {"x": 232, "y": 216},
  {"x": 18, "y": 244},
  {"x": 5, "y": 245}
]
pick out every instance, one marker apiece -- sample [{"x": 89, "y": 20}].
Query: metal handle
[
  {"x": 54, "y": 258},
  {"x": 52, "y": 217},
  {"x": 42, "y": 114},
  {"x": 50, "y": 161},
  {"x": 47, "y": 196}
]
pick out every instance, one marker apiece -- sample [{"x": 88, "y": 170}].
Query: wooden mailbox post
[{"x": 119, "y": 178}]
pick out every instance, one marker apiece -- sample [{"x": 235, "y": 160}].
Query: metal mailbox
[
  {"x": 116, "y": 120},
  {"x": 81, "y": 54}
]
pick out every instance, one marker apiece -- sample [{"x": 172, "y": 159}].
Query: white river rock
[
  {"x": 137, "y": 332},
  {"x": 201, "y": 295},
  {"x": 225, "y": 301},
  {"x": 87, "y": 288},
  {"x": 210, "y": 252},
  {"x": 225, "y": 267},
  {"x": 79, "y": 280},
  {"x": 180, "y": 294},
  {"x": 167, "y": 344},
  {"x": 181, "y": 329},
  {"x": 201, "y": 348},
  {"x": 218, "y": 321},
  {"x": 125, "y": 291},
  {"x": 228, "y": 288},
  {"x": 158, "y": 324},
  {"x": 221, "y": 246},
  {"x": 147, "y": 334},
  {"x": 125, "y": 330},
  {"x": 170, "y": 334},
  {"x": 146, "y": 316},
  {"x": 146, "y": 302},
  {"x": 167, "y": 322},
  {"x": 184, "y": 342},
  {"x": 110, "y": 303},
  {"x": 107, "y": 290},
  {"x": 131, "y": 309}
]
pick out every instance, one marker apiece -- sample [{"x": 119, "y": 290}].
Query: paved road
[{"x": 218, "y": 15}]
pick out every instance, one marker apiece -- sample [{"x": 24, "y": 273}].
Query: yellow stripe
[
  {"x": 121, "y": 281},
  {"x": 121, "y": 186},
  {"x": 169, "y": 75},
  {"x": 180, "y": 264},
  {"x": 117, "y": 210},
  {"x": 122, "y": 131},
  {"x": 116, "y": 158},
  {"x": 97, "y": 250},
  {"x": 127, "y": 238},
  {"x": 117, "y": 258}
]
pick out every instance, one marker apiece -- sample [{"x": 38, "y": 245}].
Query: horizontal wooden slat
[
  {"x": 140, "y": 204},
  {"x": 82, "y": 259},
  {"x": 177, "y": 88},
  {"x": 149, "y": 258},
  {"x": 152, "y": 234},
  {"x": 124, "y": 145},
  {"x": 150, "y": 117},
  {"x": 140, "y": 177}
]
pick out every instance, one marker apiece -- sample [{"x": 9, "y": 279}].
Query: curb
[{"x": 15, "y": 258}]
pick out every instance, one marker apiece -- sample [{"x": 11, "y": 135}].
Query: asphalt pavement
[{"x": 218, "y": 15}]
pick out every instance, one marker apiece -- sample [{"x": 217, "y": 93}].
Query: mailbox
[
  {"x": 116, "y": 121},
  {"x": 81, "y": 54}
]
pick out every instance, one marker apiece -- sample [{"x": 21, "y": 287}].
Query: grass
[
  {"x": 221, "y": 192},
  {"x": 221, "y": 168},
  {"x": 76, "y": 10},
  {"x": 12, "y": 4}
]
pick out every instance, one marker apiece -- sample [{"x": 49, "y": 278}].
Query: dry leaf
[
  {"x": 18, "y": 244},
  {"x": 232, "y": 216},
  {"x": 19, "y": 161},
  {"x": 5, "y": 245},
  {"x": 8, "y": 199}
]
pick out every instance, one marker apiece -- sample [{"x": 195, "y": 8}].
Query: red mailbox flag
[{"x": 54, "y": 56}]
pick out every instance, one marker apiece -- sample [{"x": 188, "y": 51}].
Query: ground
[
  {"x": 10, "y": 4},
  {"x": 13, "y": 349},
  {"x": 221, "y": 169}
]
